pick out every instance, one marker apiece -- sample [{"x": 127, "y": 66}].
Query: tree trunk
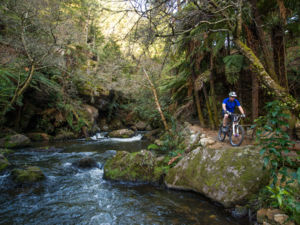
[
  {"x": 210, "y": 115},
  {"x": 255, "y": 95},
  {"x": 197, "y": 99},
  {"x": 25, "y": 85},
  {"x": 275, "y": 89},
  {"x": 278, "y": 45},
  {"x": 252, "y": 42},
  {"x": 268, "y": 60},
  {"x": 157, "y": 102},
  {"x": 212, "y": 90}
]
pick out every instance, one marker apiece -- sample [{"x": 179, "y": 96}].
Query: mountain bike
[{"x": 234, "y": 131}]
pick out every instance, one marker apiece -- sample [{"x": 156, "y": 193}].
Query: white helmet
[{"x": 232, "y": 94}]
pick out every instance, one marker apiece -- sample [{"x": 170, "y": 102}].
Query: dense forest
[
  {"x": 72, "y": 68},
  {"x": 59, "y": 55}
]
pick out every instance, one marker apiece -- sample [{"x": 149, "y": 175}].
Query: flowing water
[{"x": 81, "y": 196}]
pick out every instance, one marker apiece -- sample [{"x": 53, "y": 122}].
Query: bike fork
[{"x": 235, "y": 132}]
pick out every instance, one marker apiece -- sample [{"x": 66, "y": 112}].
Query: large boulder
[
  {"x": 31, "y": 174},
  {"x": 4, "y": 164},
  {"x": 122, "y": 133},
  {"x": 14, "y": 141},
  {"x": 140, "y": 166},
  {"x": 227, "y": 176}
]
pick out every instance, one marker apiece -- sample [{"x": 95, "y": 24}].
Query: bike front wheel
[
  {"x": 221, "y": 134},
  {"x": 236, "y": 136}
]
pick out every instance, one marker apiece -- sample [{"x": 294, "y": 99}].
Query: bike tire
[
  {"x": 238, "y": 139},
  {"x": 221, "y": 134}
]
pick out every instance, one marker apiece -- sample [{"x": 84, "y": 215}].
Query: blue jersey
[{"x": 230, "y": 105}]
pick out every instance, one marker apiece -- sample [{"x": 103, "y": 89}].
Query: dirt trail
[
  {"x": 214, "y": 135},
  {"x": 248, "y": 140}
]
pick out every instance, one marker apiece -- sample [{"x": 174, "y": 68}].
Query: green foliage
[
  {"x": 153, "y": 147},
  {"x": 233, "y": 66},
  {"x": 172, "y": 141},
  {"x": 273, "y": 138},
  {"x": 275, "y": 143}
]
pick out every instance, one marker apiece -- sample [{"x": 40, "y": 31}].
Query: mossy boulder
[
  {"x": 135, "y": 167},
  {"x": 31, "y": 174},
  {"x": 6, "y": 152},
  {"x": 122, "y": 133},
  {"x": 38, "y": 136},
  {"x": 14, "y": 141},
  {"x": 4, "y": 164},
  {"x": 227, "y": 176},
  {"x": 64, "y": 135}
]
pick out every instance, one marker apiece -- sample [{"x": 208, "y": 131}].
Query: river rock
[
  {"x": 135, "y": 167},
  {"x": 31, "y": 174},
  {"x": 36, "y": 136},
  {"x": 141, "y": 125},
  {"x": 122, "y": 133},
  {"x": 64, "y": 135},
  {"x": 14, "y": 141},
  {"x": 86, "y": 162},
  {"x": 4, "y": 164},
  {"x": 227, "y": 176}
]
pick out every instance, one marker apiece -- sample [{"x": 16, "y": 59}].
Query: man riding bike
[{"x": 228, "y": 107}]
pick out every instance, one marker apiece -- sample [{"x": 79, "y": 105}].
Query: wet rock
[
  {"x": 86, "y": 162},
  {"x": 31, "y": 174},
  {"x": 14, "y": 141},
  {"x": 6, "y": 152},
  {"x": 36, "y": 136},
  {"x": 137, "y": 167},
  {"x": 239, "y": 211},
  {"x": 4, "y": 164},
  {"x": 227, "y": 176},
  {"x": 122, "y": 133}
]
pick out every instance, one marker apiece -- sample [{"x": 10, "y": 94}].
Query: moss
[
  {"x": 29, "y": 175},
  {"x": 6, "y": 152},
  {"x": 137, "y": 166},
  {"x": 223, "y": 175},
  {"x": 4, "y": 164}
]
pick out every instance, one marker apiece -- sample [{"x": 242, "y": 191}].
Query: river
[{"x": 70, "y": 195}]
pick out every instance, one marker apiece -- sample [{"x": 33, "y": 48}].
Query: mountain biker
[{"x": 228, "y": 107}]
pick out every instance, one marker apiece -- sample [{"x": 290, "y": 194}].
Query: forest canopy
[{"x": 62, "y": 54}]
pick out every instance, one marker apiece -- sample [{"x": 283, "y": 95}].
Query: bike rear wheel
[
  {"x": 221, "y": 134},
  {"x": 236, "y": 137}
]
